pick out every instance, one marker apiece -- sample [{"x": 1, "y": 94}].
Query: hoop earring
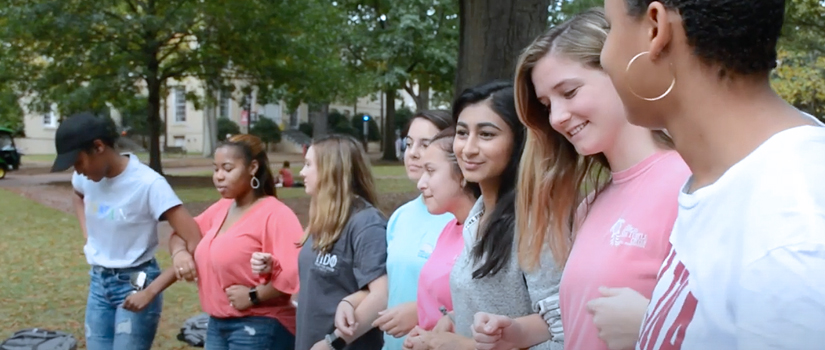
[
  {"x": 669, "y": 89},
  {"x": 255, "y": 183}
]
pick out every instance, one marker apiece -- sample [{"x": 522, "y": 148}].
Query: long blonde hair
[
  {"x": 552, "y": 174},
  {"x": 343, "y": 175}
]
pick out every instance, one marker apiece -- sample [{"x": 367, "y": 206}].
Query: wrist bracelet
[
  {"x": 177, "y": 251},
  {"x": 348, "y": 302}
]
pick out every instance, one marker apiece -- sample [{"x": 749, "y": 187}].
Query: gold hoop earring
[{"x": 669, "y": 89}]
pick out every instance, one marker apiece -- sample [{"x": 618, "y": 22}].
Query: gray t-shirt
[
  {"x": 509, "y": 292},
  {"x": 356, "y": 259}
]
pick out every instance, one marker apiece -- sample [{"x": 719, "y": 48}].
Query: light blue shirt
[{"x": 411, "y": 236}]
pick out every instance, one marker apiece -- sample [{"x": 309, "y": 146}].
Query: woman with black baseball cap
[{"x": 119, "y": 202}]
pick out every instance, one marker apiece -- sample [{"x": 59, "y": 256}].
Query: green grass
[
  {"x": 208, "y": 194},
  {"x": 45, "y": 275}
]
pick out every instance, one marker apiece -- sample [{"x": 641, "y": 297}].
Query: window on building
[
  {"x": 180, "y": 104},
  {"x": 223, "y": 104},
  {"x": 49, "y": 120}
]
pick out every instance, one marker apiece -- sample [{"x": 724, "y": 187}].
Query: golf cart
[{"x": 9, "y": 156}]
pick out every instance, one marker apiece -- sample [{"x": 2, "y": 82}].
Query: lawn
[{"x": 45, "y": 275}]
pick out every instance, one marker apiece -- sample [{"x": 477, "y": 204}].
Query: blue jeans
[
  {"x": 108, "y": 325},
  {"x": 248, "y": 333}
]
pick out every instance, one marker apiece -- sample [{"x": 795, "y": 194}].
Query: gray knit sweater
[{"x": 509, "y": 292}]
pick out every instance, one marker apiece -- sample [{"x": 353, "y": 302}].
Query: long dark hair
[
  {"x": 252, "y": 148},
  {"x": 496, "y": 243}
]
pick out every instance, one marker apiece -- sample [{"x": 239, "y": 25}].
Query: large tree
[
  {"x": 493, "y": 33},
  {"x": 408, "y": 45},
  {"x": 800, "y": 75},
  {"x": 82, "y": 55}
]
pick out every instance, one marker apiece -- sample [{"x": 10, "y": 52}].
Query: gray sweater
[{"x": 510, "y": 292}]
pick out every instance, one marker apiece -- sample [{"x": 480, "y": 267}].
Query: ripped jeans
[
  {"x": 109, "y": 326},
  {"x": 248, "y": 333}
]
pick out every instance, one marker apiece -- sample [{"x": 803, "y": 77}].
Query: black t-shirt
[{"x": 356, "y": 259}]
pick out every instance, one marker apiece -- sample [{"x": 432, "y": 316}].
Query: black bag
[
  {"x": 39, "y": 339},
  {"x": 193, "y": 331}
]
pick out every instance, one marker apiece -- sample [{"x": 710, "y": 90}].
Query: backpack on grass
[
  {"x": 39, "y": 339},
  {"x": 193, "y": 331}
]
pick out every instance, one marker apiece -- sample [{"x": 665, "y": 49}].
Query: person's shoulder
[
  {"x": 364, "y": 214},
  {"x": 142, "y": 173}
]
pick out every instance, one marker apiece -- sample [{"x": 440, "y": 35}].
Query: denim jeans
[
  {"x": 248, "y": 333},
  {"x": 108, "y": 325}
]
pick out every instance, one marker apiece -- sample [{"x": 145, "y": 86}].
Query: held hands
[
  {"x": 239, "y": 297},
  {"x": 184, "y": 265},
  {"x": 618, "y": 316},
  {"x": 417, "y": 339},
  {"x": 138, "y": 301},
  {"x": 345, "y": 318},
  {"x": 261, "y": 263},
  {"x": 397, "y": 321},
  {"x": 494, "y": 332}
]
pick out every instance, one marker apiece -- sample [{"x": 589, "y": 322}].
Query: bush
[
  {"x": 227, "y": 126},
  {"x": 267, "y": 130}
]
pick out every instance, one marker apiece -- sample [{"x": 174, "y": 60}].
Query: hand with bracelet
[
  {"x": 184, "y": 265},
  {"x": 345, "y": 318}
]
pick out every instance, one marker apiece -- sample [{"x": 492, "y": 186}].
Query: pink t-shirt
[
  {"x": 223, "y": 260},
  {"x": 434, "y": 280},
  {"x": 621, "y": 242}
]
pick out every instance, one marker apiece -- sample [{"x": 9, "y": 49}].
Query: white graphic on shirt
[
  {"x": 623, "y": 233},
  {"x": 326, "y": 262}
]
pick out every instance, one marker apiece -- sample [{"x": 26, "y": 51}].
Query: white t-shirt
[
  {"x": 747, "y": 266},
  {"x": 122, "y": 214}
]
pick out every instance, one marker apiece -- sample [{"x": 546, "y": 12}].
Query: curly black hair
[{"x": 737, "y": 36}]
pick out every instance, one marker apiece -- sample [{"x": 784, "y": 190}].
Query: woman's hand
[
  {"x": 493, "y": 332},
  {"x": 138, "y": 301},
  {"x": 321, "y": 345},
  {"x": 399, "y": 320},
  {"x": 618, "y": 316},
  {"x": 261, "y": 263},
  {"x": 345, "y": 318},
  {"x": 184, "y": 264},
  {"x": 239, "y": 297},
  {"x": 444, "y": 325},
  {"x": 417, "y": 339}
]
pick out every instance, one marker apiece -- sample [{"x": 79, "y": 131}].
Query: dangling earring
[
  {"x": 463, "y": 183},
  {"x": 255, "y": 183},
  {"x": 669, "y": 89}
]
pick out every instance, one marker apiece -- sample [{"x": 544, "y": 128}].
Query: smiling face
[
  {"x": 583, "y": 104},
  {"x": 418, "y": 137},
  {"x": 310, "y": 172},
  {"x": 440, "y": 186},
  {"x": 483, "y": 143},
  {"x": 232, "y": 177}
]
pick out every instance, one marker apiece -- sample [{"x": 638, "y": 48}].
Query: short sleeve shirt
[
  {"x": 122, "y": 214},
  {"x": 357, "y": 258},
  {"x": 223, "y": 260}
]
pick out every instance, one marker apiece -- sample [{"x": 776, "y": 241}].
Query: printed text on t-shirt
[{"x": 623, "y": 233}]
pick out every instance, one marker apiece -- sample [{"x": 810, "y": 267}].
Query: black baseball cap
[{"x": 76, "y": 133}]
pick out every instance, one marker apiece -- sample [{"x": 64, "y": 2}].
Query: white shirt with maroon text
[{"x": 746, "y": 270}]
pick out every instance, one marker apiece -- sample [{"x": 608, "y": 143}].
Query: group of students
[{"x": 638, "y": 186}]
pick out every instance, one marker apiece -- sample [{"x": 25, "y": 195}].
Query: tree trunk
[
  {"x": 389, "y": 127},
  {"x": 319, "y": 122},
  {"x": 492, "y": 34},
  {"x": 153, "y": 85},
  {"x": 210, "y": 124},
  {"x": 424, "y": 94}
]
